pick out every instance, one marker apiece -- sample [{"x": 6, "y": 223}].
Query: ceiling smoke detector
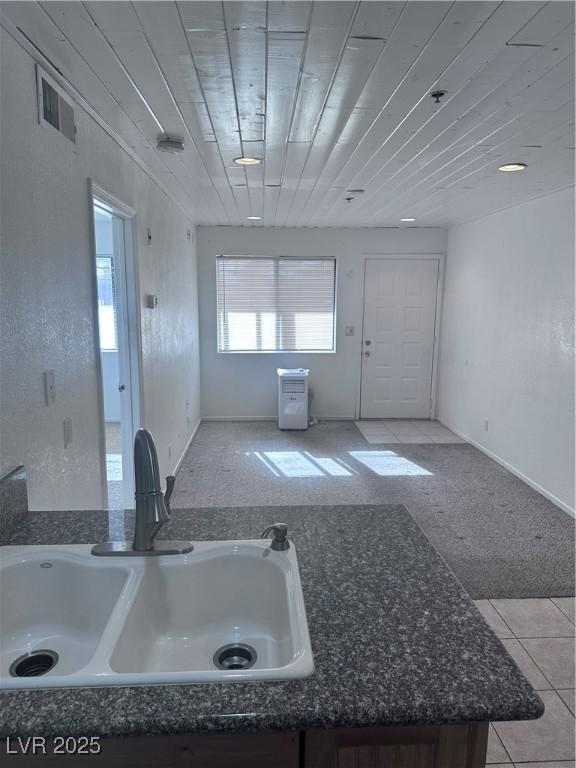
[
  {"x": 168, "y": 144},
  {"x": 437, "y": 96}
]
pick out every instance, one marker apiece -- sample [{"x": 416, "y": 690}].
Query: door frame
[
  {"x": 132, "y": 351},
  {"x": 440, "y": 258}
]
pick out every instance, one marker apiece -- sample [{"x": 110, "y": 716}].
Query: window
[
  {"x": 275, "y": 304},
  {"x": 106, "y": 308}
]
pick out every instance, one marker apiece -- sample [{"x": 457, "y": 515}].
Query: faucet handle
[
  {"x": 170, "y": 480},
  {"x": 279, "y": 532}
]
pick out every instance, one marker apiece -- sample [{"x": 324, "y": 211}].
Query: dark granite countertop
[{"x": 396, "y": 639}]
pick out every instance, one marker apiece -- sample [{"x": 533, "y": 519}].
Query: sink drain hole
[
  {"x": 235, "y": 656},
  {"x": 34, "y": 664}
]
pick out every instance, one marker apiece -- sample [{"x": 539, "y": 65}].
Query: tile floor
[
  {"x": 406, "y": 431},
  {"x": 539, "y": 635}
]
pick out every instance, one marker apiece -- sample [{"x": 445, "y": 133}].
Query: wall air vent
[{"x": 53, "y": 107}]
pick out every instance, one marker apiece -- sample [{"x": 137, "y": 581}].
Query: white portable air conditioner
[{"x": 293, "y": 398}]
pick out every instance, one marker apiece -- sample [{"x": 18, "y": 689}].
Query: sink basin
[
  {"x": 229, "y": 610},
  {"x": 58, "y": 601}
]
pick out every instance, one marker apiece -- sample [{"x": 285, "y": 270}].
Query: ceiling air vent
[
  {"x": 54, "y": 109},
  {"x": 170, "y": 144}
]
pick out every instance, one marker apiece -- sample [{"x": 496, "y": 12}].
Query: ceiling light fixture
[
  {"x": 511, "y": 167},
  {"x": 254, "y": 218},
  {"x": 247, "y": 160},
  {"x": 408, "y": 219}
]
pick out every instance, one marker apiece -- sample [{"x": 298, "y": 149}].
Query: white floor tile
[
  {"x": 569, "y": 698},
  {"x": 527, "y": 665},
  {"x": 555, "y": 764},
  {"x": 549, "y": 738},
  {"x": 534, "y": 617},
  {"x": 496, "y": 754},
  {"x": 555, "y": 657},
  {"x": 493, "y": 618},
  {"x": 566, "y": 605},
  {"x": 416, "y": 439}
]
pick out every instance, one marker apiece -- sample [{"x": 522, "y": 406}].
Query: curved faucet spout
[{"x": 151, "y": 508}]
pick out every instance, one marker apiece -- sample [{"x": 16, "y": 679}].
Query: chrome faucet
[{"x": 152, "y": 506}]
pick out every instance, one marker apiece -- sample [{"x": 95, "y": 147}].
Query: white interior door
[
  {"x": 398, "y": 338},
  {"x": 118, "y": 323}
]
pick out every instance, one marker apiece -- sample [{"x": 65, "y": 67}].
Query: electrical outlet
[
  {"x": 485, "y": 426},
  {"x": 67, "y": 425},
  {"x": 49, "y": 387}
]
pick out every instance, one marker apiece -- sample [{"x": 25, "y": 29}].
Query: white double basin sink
[{"x": 227, "y": 611}]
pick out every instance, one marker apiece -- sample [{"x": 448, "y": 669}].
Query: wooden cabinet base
[{"x": 449, "y": 746}]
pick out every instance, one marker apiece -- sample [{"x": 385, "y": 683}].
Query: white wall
[
  {"x": 507, "y": 340},
  {"x": 47, "y": 298},
  {"x": 244, "y": 385}
]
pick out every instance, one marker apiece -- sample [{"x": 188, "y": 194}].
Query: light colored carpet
[{"x": 501, "y": 538}]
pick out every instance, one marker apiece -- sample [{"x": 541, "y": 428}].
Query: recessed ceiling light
[
  {"x": 247, "y": 160},
  {"x": 510, "y": 167},
  {"x": 408, "y": 219},
  {"x": 253, "y": 218}
]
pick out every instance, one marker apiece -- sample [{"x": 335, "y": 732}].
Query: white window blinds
[{"x": 275, "y": 304}]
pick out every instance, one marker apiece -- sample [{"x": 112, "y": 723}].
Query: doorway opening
[{"x": 118, "y": 344}]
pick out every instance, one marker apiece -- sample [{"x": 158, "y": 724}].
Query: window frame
[{"x": 284, "y": 352}]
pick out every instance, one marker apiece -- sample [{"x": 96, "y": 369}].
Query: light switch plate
[{"x": 49, "y": 387}]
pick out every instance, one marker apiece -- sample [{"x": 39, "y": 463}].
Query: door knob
[
  {"x": 121, "y": 387},
  {"x": 367, "y": 342}
]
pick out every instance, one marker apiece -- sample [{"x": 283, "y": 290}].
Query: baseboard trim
[
  {"x": 274, "y": 418},
  {"x": 542, "y": 491},
  {"x": 188, "y": 444},
  {"x": 237, "y": 418}
]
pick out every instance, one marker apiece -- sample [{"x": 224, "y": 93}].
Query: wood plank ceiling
[{"x": 333, "y": 96}]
